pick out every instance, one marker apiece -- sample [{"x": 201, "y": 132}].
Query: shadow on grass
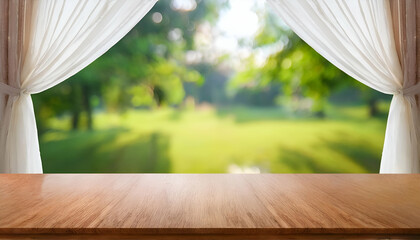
[
  {"x": 356, "y": 113},
  {"x": 107, "y": 151},
  {"x": 298, "y": 162},
  {"x": 355, "y": 148},
  {"x": 361, "y": 151}
]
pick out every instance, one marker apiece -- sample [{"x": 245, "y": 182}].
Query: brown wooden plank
[
  {"x": 404, "y": 16},
  {"x": 212, "y": 237},
  {"x": 410, "y": 68},
  {"x": 267, "y": 204},
  {"x": 418, "y": 39}
]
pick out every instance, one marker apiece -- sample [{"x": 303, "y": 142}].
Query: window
[{"x": 211, "y": 86}]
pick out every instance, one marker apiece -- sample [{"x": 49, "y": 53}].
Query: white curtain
[
  {"x": 60, "y": 38},
  {"x": 357, "y": 37}
]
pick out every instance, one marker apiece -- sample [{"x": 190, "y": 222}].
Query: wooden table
[{"x": 209, "y": 206}]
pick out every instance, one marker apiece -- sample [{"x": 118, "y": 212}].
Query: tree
[
  {"x": 146, "y": 68},
  {"x": 300, "y": 70}
]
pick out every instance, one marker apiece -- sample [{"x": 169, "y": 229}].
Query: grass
[{"x": 218, "y": 141}]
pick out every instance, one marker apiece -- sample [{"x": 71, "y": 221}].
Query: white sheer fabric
[
  {"x": 60, "y": 38},
  {"x": 357, "y": 37}
]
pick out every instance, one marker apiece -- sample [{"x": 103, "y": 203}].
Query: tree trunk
[
  {"x": 158, "y": 95},
  {"x": 373, "y": 107},
  {"x": 320, "y": 114},
  {"x": 76, "y": 109},
  {"x": 75, "y": 119},
  {"x": 87, "y": 106}
]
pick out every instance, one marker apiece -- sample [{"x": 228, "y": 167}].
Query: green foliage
[
  {"x": 163, "y": 85},
  {"x": 272, "y": 30},
  {"x": 301, "y": 71},
  {"x": 146, "y": 68}
]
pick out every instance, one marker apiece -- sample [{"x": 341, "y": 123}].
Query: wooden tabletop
[{"x": 200, "y": 204}]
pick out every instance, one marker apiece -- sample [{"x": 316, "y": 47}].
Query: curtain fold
[
  {"x": 59, "y": 38},
  {"x": 358, "y": 38}
]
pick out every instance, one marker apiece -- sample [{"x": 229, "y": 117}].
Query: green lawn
[{"x": 211, "y": 141}]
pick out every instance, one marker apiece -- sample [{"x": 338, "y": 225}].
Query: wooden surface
[
  {"x": 199, "y": 205},
  {"x": 404, "y": 17},
  {"x": 418, "y": 39}
]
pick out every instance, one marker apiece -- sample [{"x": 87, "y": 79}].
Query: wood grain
[
  {"x": 282, "y": 206},
  {"x": 404, "y": 15},
  {"x": 418, "y": 39}
]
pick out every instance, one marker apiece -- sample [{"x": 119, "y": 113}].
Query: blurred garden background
[{"x": 211, "y": 86}]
